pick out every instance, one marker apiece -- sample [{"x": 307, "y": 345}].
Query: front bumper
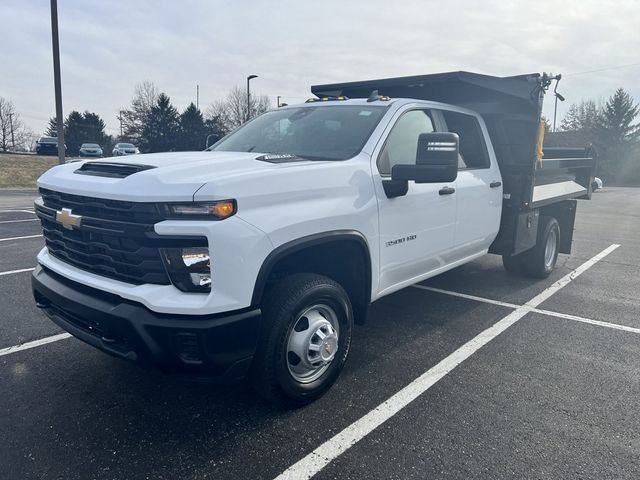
[{"x": 220, "y": 345}]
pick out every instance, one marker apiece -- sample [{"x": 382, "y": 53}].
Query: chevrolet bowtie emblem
[{"x": 67, "y": 219}]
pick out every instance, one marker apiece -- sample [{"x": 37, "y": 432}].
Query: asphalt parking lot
[{"x": 478, "y": 375}]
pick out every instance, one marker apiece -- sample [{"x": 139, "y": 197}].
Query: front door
[{"x": 417, "y": 229}]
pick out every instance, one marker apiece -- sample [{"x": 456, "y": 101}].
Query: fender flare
[{"x": 309, "y": 241}]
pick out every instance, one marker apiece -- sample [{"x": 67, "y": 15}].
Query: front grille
[
  {"x": 115, "y": 239},
  {"x": 103, "y": 208}
]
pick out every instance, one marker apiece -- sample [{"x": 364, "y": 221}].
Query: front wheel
[{"x": 307, "y": 322}]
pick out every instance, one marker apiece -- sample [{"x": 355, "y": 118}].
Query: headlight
[
  {"x": 189, "y": 268},
  {"x": 201, "y": 210}
]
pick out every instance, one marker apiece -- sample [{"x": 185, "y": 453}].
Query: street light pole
[
  {"x": 249, "y": 96},
  {"x": 120, "y": 118},
  {"x": 56, "y": 79}
]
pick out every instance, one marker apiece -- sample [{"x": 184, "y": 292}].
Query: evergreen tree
[
  {"x": 74, "y": 133},
  {"x": 161, "y": 132},
  {"x": 192, "y": 129},
  {"x": 617, "y": 137},
  {"x": 52, "y": 128},
  {"x": 580, "y": 117},
  {"x": 83, "y": 128}
]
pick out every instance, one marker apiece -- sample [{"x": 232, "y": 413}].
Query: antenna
[{"x": 373, "y": 97}]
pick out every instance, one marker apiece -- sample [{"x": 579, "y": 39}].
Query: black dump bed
[{"x": 511, "y": 108}]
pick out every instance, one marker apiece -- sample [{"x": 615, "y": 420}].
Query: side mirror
[
  {"x": 211, "y": 139},
  {"x": 436, "y": 162}
]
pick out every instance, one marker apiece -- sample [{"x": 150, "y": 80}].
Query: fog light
[{"x": 189, "y": 268}]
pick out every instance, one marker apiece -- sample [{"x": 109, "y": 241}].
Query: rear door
[
  {"x": 479, "y": 185},
  {"x": 417, "y": 229}
]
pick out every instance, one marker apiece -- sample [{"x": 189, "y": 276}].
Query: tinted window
[
  {"x": 333, "y": 132},
  {"x": 402, "y": 143},
  {"x": 473, "y": 151}
]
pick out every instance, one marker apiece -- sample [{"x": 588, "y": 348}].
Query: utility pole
[
  {"x": 13, "y": 140},
  {"x": 198, "y": 97},
  {"x": 249, "y": 96},
  {"x": 56, "y": 79}
]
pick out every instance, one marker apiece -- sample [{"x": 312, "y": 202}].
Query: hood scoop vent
[{"x": 111, "y": 170}]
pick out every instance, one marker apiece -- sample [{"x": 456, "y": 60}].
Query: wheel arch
[{"x": 342, "y": 255}]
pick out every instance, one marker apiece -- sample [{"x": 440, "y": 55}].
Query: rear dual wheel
[
  {"x": 306, "y": 334},
  {"x": 539, "y": 261}
]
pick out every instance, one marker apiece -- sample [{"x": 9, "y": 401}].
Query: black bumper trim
[{"x": 220, "y": 345}]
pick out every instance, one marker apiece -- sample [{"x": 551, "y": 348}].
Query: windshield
[
  {"x": 90, "y": 145},
  {"x": 317, "y": 133},
  {"x": 125, "y": 145},
  {"x": 48, "y": 140}
]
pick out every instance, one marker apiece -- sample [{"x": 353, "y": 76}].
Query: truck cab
[{"x": 256, "y": 257}]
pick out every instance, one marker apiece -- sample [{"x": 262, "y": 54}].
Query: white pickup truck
[{"x": 256, "y": 257}]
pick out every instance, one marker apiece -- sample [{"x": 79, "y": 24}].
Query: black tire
[
  {"x": 512, "y": 264},
  {"x": 282, "y": 310},
  {"x": 537, "y": 262}
]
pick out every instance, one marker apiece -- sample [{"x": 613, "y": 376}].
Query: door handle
[
  {"x": 495, "y": 184},
  {"x": 446, "y": 190}
]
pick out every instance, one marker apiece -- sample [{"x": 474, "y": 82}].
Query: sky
[{"x": 109, "y": 46}]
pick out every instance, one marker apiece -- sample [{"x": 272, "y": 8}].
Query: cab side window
[
  {"x": 402, "y": 143},
  {"x": 473, "y": 150}
]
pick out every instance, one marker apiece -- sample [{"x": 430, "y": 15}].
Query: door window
[
  {"x": 401, "y": 145},
  {"x": 473, "y": 150}
]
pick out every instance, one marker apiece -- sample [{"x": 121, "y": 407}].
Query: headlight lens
[
  {"x": 202, "y": 210},
  {"x": 189, "y": 268}
]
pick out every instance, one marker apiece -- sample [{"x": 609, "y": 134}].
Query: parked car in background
[
  {"x": 47, "y": 146},
  {"x": 90, "y": 150},
  {"x": 597, "y": 184},
  {"x": 124, "y": 149}
]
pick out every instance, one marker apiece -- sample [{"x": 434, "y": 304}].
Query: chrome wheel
[
  {"x": 313, "y": 343},
  {"x": 550, "y": 249}
]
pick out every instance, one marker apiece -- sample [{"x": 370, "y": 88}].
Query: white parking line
[
  {"x": 11, "y": 272},
  {"x": 20, "y": 221},
  {"x": 335, "y": 446},
  {"x": 35, "y": 343},
  {"x": 468, "y": 297},
  {"x": 575, "y": 318},
  {"x": 19, "y": 238},
  {"x": 18, "y": 210}
]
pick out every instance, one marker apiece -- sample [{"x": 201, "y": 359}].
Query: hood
[{"x": 174, "y": 176}]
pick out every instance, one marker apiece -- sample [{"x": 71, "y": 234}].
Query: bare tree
[
  {"x": 134, "y": 119},
  {"x": 232, "y": 111},
  {"x": 12, "y": 130}
]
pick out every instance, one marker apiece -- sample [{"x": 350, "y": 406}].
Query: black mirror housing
[{"x": 436, "y": 162}]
